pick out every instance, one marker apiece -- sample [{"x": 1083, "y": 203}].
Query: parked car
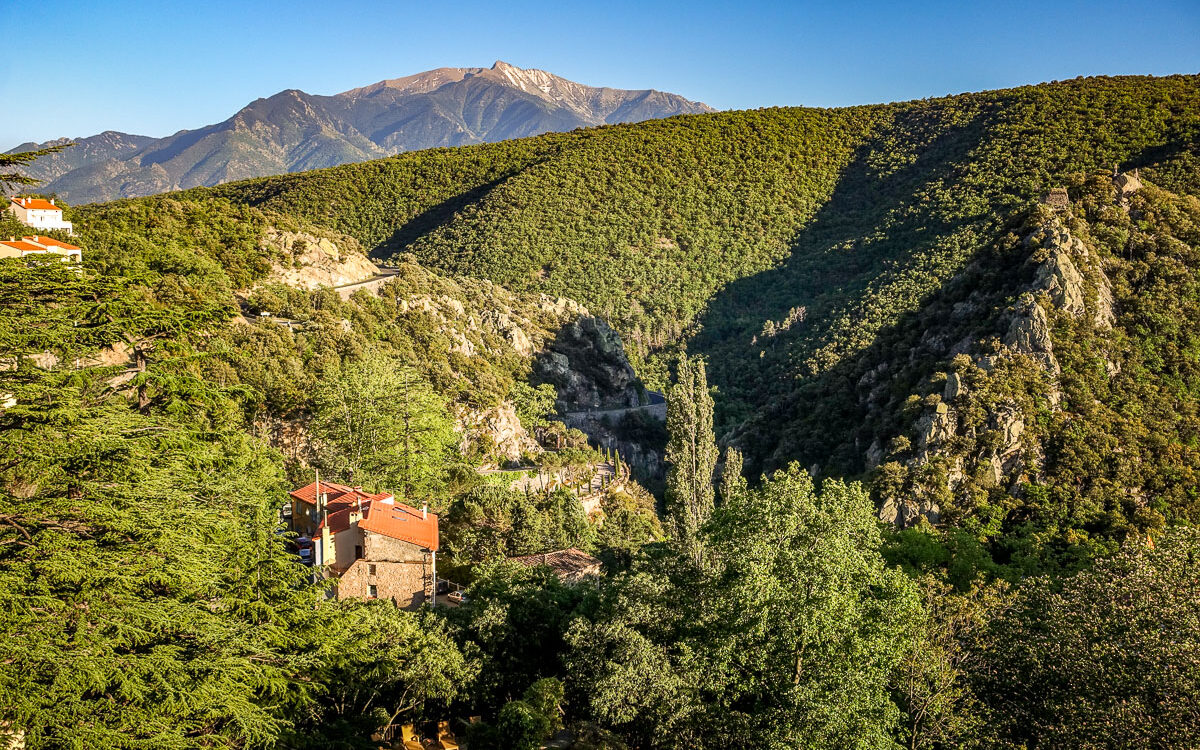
[{"x": 458, "y": 597}]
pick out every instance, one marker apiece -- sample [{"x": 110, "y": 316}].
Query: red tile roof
[
  {"x": 50, "y": 242},
  {"x": 337, "y": 521},
  {"x": 403, "y": 522},
  {"x": 25, "y": 247},
  {"x": 338, "y": 496},
  {"x": 564, "y": 562},
  {"x": 381, "y": 513},
  {"x": 36, "y": 203}
]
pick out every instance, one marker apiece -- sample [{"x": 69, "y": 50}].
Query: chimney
[
  {"x": 51, "y": 201},
  {"x": 424, "y": 511}
]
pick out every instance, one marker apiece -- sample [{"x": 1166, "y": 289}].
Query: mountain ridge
[{"x": 294, "y": 131}]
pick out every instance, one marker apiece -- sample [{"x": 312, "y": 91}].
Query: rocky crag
[
  {"x": 971, "y": 437},
  {"x": 307, "y": 261}
]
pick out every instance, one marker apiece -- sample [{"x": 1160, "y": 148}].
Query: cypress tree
[
  {"x": 691, "y": 456},
  {"x": 732, "y": 483}
]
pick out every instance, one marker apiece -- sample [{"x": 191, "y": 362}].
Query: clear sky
[{"x": 76, "y": 67}]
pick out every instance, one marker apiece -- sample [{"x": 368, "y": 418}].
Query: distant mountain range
[{"x": 293, "y": 131}]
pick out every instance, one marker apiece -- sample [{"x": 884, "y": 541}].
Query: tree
[
  {"x": 147, "y": 598},
  {"x": 10, "y": 179},
  {"x": 932, "y": 682},
  {"x": 787, "y": 638},
  {"x": 521, "y": 727},
  {"x": 386, "y": 426},
  {"x": 732, "y": 482},
  {"x": 809, "y": 621},
  {"x": 514, "y": 623},
  {"x": 377, "y": 666},
  {"x": 691, "y": 456},
  {"x": 1109, "y": 657}
]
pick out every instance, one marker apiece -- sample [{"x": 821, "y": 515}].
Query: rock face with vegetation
[
  {"x": 586, "y": 363},
  {"x": 307, "y": 261}
]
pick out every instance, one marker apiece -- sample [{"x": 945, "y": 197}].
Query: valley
[{"x": 871, "y": 426}]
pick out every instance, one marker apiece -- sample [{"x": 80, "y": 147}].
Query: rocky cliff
[
  {"x": 307, "y": 261},
  {"x": 586, "y": 363},
  {"x": 970, "y": 437}
]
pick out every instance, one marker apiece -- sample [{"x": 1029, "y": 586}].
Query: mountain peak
[{"x": 292, "y": 131}]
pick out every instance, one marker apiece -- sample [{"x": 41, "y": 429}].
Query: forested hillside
[
  {"x": 953, "y": 339},
  {"x": 647, "y": 223},
  {"x": 792, "y": 248}
]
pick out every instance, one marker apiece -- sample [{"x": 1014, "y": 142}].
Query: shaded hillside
[{"x": 293, "y": 131}]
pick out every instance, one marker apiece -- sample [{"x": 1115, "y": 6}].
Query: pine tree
[
  {"x": 11, "y": 179},
  {"x": 691, "y": 456}
]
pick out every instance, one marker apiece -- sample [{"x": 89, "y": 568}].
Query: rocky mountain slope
[{"x": 293, "y": 131}]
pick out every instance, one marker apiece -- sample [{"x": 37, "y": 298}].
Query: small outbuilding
[
  {"x": 571, "y": 565},
  {"x": 1057, "y": 199}
]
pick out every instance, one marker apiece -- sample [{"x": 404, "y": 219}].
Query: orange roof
[
  {"x": 338, "y": 496},
  {"x": 36, "y": 203},
  {"x": 25, "y": 247},
  {"x": 337, "y": 521},
  {"x": 50, "y": 242},
  {"x": 381, "y": 513},
  {"x": 403, "y": 522}
]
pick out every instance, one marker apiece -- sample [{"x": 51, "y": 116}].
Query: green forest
[{"x": 930, "y": 448}]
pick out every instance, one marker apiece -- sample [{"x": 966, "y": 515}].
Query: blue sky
[{"x": 157, "y": 67}]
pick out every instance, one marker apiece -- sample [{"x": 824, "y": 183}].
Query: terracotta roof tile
[
  {"x": 339, "y": 495},
  {"x": 381, "y": 513},
  {"x": 564, "y": 562},
  {"x": 50, "y": 242},
  {"x": 36, "y": 203},
  {"x": 403, "y": 522},
  {"x": 25, "y": 247}
]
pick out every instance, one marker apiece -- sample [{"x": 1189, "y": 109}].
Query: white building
[
  {"x": 20, "y": 248},
  {"x": 39, "y": 213}
]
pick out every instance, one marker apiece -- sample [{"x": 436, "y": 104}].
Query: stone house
[{"x": 376, "y": 547}]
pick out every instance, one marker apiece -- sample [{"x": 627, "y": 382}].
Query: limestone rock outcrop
[
  {"x": 497, "y": 429},
  {"x": 308, "y": 261}
]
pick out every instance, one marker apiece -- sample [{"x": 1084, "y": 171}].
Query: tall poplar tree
[
  {"x": 691, "y": 456},
  {"x": 732, "y": 482}
]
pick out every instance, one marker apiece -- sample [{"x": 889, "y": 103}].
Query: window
[
  {"x": 358, "y": 552},
  {"x": 372, "y": 591},
  {"x": 371, "y": 569}
]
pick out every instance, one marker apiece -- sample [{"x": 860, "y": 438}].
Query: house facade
[
  {"x": 376, "y": 547},
  {"x": 37, "y": 244},
  {"x": 39, "y": 213}
]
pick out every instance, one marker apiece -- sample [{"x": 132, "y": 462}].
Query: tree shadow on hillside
[
  {"x": 437, "y": 216},
  {"x": 832, "y": 263}
]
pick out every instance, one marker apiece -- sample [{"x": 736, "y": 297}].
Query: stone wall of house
[{"x": 401, "y": 577}]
